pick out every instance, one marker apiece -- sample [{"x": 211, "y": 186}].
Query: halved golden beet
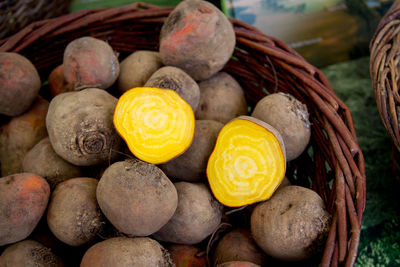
[
  {"x": 248, "y": 162},
  {"x": 157, "y": 124}
]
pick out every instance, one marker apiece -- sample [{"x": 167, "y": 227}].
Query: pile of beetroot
[{"x": 72, "y": 193}]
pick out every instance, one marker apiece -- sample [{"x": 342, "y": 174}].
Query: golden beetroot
[
  {"x": 157, "y": 124},
  {"x": 247, "y": 164}
]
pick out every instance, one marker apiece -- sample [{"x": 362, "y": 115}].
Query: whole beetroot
[
  {"x": 221, "y": 99},
  {"x": 44, "y": 161},
  {"x": 290, "y": 117},
  {"x": 136, "y": 197},
  {"x": 177, "y": 80},
  {"x": 23, "y": 200},
  {"x": 292, "y": 225},
  {"x": 20, "y": 134},
  {"x": 90, "y": 62},
  {"x": 19, "y": 84},
  {"x": 187, "y": 256},
  {"x": 238, "y": 264},
  {"x": 29, "y": 253},
  {"x": 127, "y": 252},
  {"x": 197, "y": 38},
  {"x": 191, "y": 165},
  {"x": 57, "y": 82},
  {"x": 197, "y": 216},
  {"x": 80, "y": 127},
  {"x": 137, "y": 68},
  {"x": 238, "y": 245},
  {"x": 73, "y": 214}
]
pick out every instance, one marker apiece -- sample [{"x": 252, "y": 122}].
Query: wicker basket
[
  {"x": 16, "y": 14},
  {"x": 384, "y": 70},
  {"x": 385, "y": 76},
  {"x": 334, "y": 163}
]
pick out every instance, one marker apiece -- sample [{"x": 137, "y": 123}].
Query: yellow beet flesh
[
  {"x": 247, "y": 164},
  {"x": 157, "y": 124}
]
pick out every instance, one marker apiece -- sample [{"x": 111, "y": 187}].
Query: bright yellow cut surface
[
  {"x": 247, "y": 164},
  {"x": 157, "y": 124}
]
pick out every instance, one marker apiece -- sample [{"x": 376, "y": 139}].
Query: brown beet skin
[
  {"x": 197, "y": 38},
  {"x": 19, "y": 84},
  {"x": 238, "y": 245},
  {"x": 80, "y": 127},
  {"x": 238, "y": 264},
  {"x": 44, "y": 161},
  {"x": 57, "y": 82},
  {"x": 187, "y": 256},
  {"x": 23, "y": 200},
  {"x": 20, "y": 134},
  {"x": 136, "y": 197},
  {"x": 90, "y": 62},
  {"x": 73, "y": 214},
  {"x": 29, "y": 253},
  {"x": 124, "y": 252},
  {"x": 191, "y": 165}
]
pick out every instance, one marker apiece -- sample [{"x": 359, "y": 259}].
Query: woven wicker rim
[
  {"x": 384, "y": 70},
  {"x": 16, "y": 14},
  {"x": 262, "y": 64}
]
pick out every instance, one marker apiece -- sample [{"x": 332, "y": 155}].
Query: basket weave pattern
[
  {"x": 16, "y": 14},
  {"x": 262, "y": 64},
  {"x": 384, "y": 71}
]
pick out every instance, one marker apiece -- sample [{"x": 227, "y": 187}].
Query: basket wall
[
  {"x": 16, "y": 14},
  {"x": 384, "y": 71},
  {"x": 334, "y": 164}
]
